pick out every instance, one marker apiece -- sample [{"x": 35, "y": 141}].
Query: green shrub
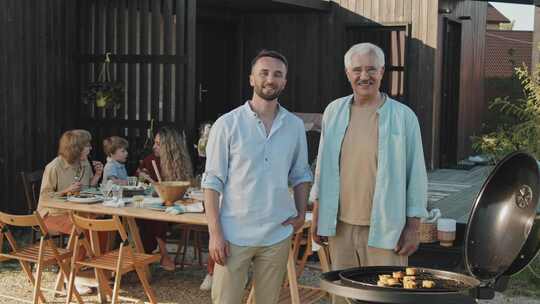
[{"x": 519, "y": 121}]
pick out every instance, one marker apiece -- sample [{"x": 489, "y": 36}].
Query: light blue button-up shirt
[
  {"x": 401, "y": 180},
  {"x": 114, "y": 169},
  {"x": 253, "y": 172}
]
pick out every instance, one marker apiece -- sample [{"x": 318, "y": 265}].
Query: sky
[{"x": 522, "y": 14}]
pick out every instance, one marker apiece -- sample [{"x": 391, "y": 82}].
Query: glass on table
[{"x": 132, "y": 181}]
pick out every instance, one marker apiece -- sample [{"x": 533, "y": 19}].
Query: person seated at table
[
  {"x": 115, "y": 147},
  {"x": 68, "y": 174},
  {"x": 146, "y": 171},
  {"x": 174, "y": 165}
]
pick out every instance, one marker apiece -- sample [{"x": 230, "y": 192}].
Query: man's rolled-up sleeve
[
  {"x": 217, "y": 158},
  {"x": 416, "y": 171},
  {"x": 300, "y": 171}
]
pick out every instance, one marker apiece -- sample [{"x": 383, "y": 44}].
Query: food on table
[
  {"x": 398, "y": 275},
  {"x": 381, "y": 283},
  {"x": 411, "y": 271},
  {"x": 428, "y": 284},
  {"x": 408, "y": 284}
]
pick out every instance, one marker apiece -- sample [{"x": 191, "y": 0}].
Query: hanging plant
[{"x": 105, "y": 93}]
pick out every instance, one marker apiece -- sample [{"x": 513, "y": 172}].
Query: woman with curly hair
[{"x": 172, "y": 157}]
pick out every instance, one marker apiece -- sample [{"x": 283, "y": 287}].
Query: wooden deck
[{"x": 453, "y": 191}]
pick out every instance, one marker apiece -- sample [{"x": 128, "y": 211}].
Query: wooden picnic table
[{"x": 130, "y": 213}]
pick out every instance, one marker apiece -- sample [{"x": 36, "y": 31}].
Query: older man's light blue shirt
[
  {"x": 253, "y": 172},
  {"x": 401, "y": 179}
]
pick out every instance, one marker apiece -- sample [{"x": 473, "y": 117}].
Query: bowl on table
[{"x": 170, "y": 192}]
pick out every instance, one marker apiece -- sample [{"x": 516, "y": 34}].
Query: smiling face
[
  {"x": 268, "y": 78},
  {"x": 364, "y": 75}
]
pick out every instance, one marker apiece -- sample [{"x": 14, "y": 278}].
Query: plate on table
[{"x": 85, "y": 198}]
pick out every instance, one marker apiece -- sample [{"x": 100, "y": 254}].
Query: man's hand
[
  {"x": 297, "y": 222},
  {"x": 409, "y": 239},
  {"x": 315, "y": 225},
  {"x": 218, "y": 248}
]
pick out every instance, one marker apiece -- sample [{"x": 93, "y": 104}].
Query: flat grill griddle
[{"x": 367, "y": 277}]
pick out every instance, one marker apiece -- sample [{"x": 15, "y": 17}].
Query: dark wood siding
[
  {"x": 38, "y": 97},
  {"x": 147, "y": 42},
  {"x": 472, "y": 16},
  {"x": 422, "y": 17},
  {"x": 315, "y": 43}
]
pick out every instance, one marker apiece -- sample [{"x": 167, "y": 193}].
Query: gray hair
[{"x": 365, "y": 48}]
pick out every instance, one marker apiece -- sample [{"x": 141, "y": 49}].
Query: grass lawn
[{"x": 526, "y": 283}]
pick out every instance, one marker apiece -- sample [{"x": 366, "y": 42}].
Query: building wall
[
  {"x": 422, "y": 16},
  {"x": 38, "y": 97},
  {"x": 315, "y": 44},
  {"x": 472, "y": 15}
]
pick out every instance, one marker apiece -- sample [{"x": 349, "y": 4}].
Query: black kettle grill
[{"x": 502, "y": 237}]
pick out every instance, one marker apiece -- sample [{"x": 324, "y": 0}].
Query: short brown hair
[
  {"x": 72, "y": 143},
  {"x": 270, "y": 53},
  {"x": 113, "y": 143}
]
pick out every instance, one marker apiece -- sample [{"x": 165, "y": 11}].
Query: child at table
[{"x": 115, "y": 147}]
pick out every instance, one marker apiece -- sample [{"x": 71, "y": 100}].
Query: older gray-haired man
[{"x": 370, "y": 187}]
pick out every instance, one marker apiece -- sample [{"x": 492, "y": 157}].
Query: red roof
[
  {"x": 499, "y": 45},
  {"x": 494, "y": 16}
]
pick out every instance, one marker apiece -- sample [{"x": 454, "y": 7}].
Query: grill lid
[{"x": 502, "y": 218}]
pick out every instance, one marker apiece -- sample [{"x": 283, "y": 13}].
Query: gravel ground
[{"x": 180, "y": 287}]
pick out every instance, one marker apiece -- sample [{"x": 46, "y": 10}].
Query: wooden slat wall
[
  {"x": 147, "y": 41},
  {"x": 38, "y": 97}
]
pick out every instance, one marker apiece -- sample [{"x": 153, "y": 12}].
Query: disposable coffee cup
[{"x": 446, "y": 231}]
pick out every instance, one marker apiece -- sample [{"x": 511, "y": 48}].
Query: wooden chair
[
  {"x": 32, "y": 184},
  {"x": 186, "y": 232},
  {"x": 119, "y": 261},
  {"x": 43, "y": 254}
]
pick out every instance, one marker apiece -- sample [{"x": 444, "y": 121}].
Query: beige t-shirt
[
  {"x": 59, "y": 175},
  {"x": 358, "y": 164}
]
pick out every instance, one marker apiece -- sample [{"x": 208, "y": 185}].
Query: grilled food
[
  {"x": 393, "y": 282},
  {"x": 428, "y": 284},
  {"x": 381, "y": 283},
  {"x": 384, "y": 278},
  {"x": 398, "y": 275},
  {"x": 411, "y": 271},
  {"x": 409, "y": 284},
  {"x": 409, "y": 278}
]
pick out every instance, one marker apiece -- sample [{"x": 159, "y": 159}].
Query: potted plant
[{"x": 105, "y": 93}]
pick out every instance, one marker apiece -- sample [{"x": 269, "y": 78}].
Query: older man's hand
[{"x": 409, "y": 239}]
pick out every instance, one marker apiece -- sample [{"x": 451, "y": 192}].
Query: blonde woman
[
  {"x": 68, "y": 173},
  {"x": 174, "y": 164}
]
